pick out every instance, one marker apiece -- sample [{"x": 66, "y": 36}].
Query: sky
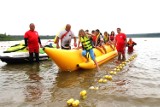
[{"x": 50, "y": 16}]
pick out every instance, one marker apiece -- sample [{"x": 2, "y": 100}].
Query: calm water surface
[{"x": 43, "y": 85}]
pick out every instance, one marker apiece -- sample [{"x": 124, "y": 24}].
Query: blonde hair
[{"x": 82, "y": 31}]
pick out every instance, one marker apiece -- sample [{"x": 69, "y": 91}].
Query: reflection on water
[
  {"x": 34, "y": 91},
  {"x": 43, "y": 85}
]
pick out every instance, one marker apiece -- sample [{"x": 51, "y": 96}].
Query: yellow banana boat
[{"x": 71, "y": 60}]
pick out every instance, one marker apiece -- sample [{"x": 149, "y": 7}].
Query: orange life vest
[{"x": 130, "y": 43}]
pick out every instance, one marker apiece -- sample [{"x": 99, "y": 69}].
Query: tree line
[{"x": 4, "y": 37}]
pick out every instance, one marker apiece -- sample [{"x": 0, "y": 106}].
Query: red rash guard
[
  {"x": 120, "y": 38},
  {"x": 33, "y": 43},
  {"x": 94, "y": 38}
]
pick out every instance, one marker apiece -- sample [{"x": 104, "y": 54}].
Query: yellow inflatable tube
[
  {"x": 71, "y": 60},
  {"x": 101, "y": 59}
]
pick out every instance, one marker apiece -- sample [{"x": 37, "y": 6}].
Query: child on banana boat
[
  {"x": 93, "y": 37},
  {"x": 106, "y": 37},
  {"x": 99, "y": 41},
  {"x": 112, "y": 36},
  {"x": 107, "y": 41},
  {"x": 84, "y": 39}
]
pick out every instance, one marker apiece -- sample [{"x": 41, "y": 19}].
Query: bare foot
[
  {"x": 117, "y": 61},
  {"x": 123, "y": 59},
  {"x": 98, "y": 69},
  {"x": 87, "y": 60}
]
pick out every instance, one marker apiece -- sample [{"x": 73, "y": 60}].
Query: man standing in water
[
  {"x": 66, "y": 36},
  {"x": 120, "y": 43},
  {"x": 32, "y": 41}
]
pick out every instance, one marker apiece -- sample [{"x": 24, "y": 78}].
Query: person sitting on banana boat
[
  {"x": 112, "y": 36},
  {"x": 84, "y": 39},
  {"x": 99, "y": 41},
  {"x": 106, "y": 37},
  {"x": 107, "y": 41},
  {"x": 92, "y": 37}
]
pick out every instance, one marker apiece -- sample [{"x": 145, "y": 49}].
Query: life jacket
[
  {"x": 86, "y": 43},
  {"x": 106, "y": 38},
  {"x": 130, "y": 43}
]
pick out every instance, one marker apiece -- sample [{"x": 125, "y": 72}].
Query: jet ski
[{"x": 18, "y": 54}]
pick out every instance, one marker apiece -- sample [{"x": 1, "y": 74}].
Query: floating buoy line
[{"x": 83, "y": 94}]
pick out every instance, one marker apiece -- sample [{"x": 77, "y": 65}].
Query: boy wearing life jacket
[
  {"x": 86, "y": 46},
  {"x": 130, "y": 45}
]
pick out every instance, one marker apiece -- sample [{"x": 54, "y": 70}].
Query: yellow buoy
[
  {"x": 100, "y": 80},
  {"x": 96, "y": 88},
  {"x": 104, "y": 80},
  {"x": 70, "y": 101},
  {"x": 121, "y": 67},
  {"x": 111, "y": 72},
  {"x": 106, "y": 76},
  {"x": 118, "y": 70},
  {"x": 114, "y": 73},
  {"x": 75, "y": 103},
  {"x": 110, "y": 77},
  {"x": 83, "y": 93}
]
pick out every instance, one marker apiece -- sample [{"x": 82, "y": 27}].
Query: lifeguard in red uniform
[
  {"x": 32, "y": 41},
  {"x": 120, "y": 43}
]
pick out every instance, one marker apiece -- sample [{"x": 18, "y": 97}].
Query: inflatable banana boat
[
  {"x": 18, "y": 54},
  {"x": 71, "y": 60}
]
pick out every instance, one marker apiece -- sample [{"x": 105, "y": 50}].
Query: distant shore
[
  {"x": 144, "y": 35},
  {"x": 4, "y": 37}
]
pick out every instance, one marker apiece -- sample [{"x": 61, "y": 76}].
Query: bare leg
[
  {"x": 112, "y": 47},
  {"x": 104, "y": 49},
  {"x": 119, "y": 56},
  {"x": 98, "y": 69},
  {"x": 123, "y": 57},
  {"x": 110, "y": 44},
  {"x": 99, "y": 49},
  {"x": 87, "y": 58}
]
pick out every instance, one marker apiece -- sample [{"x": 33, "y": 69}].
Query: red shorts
[
  {"x": 33, "y": 49},
  {"x": 120, "y": 49}
]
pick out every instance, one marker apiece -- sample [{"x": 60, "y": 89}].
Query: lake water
[{"x": 42, "y": 85}]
